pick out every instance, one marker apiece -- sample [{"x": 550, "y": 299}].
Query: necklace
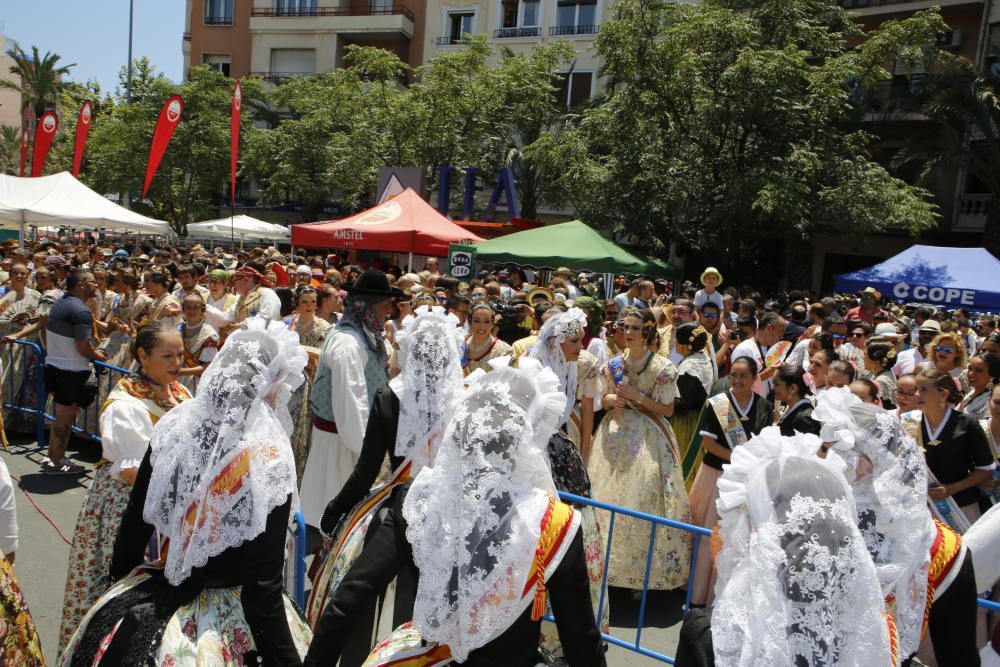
[{"x": 642, "y": 361}]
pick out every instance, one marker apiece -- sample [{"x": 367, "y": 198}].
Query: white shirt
[
  {"x": 8, "y": 512},
  {"x": 270, "y": 309},
  {"x": 125, "y": 432},
  {"x": 908, "y": 361},
  {"x": 345, "y": 354}
]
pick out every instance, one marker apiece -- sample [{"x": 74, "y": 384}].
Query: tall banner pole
[
  {"x": 24, "y": 147},
  {"x": 45, "y": 132},
  {"x": 170, "y": 116},
  {"x": 82, "y": 132},
  {"x": 234, "y": 153}
]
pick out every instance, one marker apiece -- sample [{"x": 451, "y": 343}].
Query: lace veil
[
  {"x": 548, "y": 351},
  {"x": 474, "y": 518},
  {"x": 431, "y": 374},
  {"x": 890, "y": 491},
  {"x": 796, "y": 585},
  {"x": 222, "y": 460}
]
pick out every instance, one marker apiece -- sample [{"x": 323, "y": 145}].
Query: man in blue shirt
[{"x": 69, "y": 351}]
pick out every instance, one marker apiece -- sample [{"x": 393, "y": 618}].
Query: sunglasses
[
  {"x": 442, "y": 299},
  {"x": 944, "y": 349},
  {"x": 710, "y": 316},
  {"x": 858, "y": 335},
  {"x": 838, "y": 336}
]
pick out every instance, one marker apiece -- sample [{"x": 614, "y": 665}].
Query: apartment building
[
  {"x": 10, "y": 100},
  {"x": 895, "y": 118},
  {"x": 518, "y": 25},
  {"x": 277, "y": 39}
]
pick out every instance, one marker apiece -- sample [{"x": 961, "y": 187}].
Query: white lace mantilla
[
  {"x": 474, "y": 519},
  {"x": 796, "y": 584},
  {"x": 222, "y": 460}
]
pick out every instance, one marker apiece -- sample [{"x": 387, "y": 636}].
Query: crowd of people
[{"x": 424, "y": 425}]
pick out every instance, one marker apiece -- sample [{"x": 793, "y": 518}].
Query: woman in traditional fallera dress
[
  {"x": 728, "y": 420},
  {"x": 695, "y": 375},
  {"x": 481, "y": 345},
  {"x": 312, "y": 332},
  {"x": 491, "y": 539},
  {"x": 127, "y": 418},
  {"x": 128, "y": 310},
  {"x": 635, "y": 461},
  {"x": 218, "y": 483},
  {"x": 368, "y": 529}
]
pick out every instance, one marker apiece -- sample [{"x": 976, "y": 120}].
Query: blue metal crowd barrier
[{"x": 27, "y": 359}]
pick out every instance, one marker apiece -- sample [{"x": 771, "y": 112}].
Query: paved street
[{"x": 42, "y": 557}]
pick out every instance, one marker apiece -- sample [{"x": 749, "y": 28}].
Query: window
[
  {"x": 459, "y": 25},
  {"x": 295, "y": 7},
  {"x": 573, "y": 89},
  {"x": 575, "y": 17},
  {"x": 381, "y": 7},
  {"x": 292, "y": 61},
  {"x": 519, "y": 18},
  {"x": 220, "y": 62},
  {"x": 218, "y": 12}
]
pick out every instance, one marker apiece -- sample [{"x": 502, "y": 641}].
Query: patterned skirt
[
  {"x": 93, "y": 544},
  {"x": 137, "y": 623},
  {"x": 19, "y": 643}
]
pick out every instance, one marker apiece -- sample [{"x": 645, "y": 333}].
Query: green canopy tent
[{"x": 570, "y": 244}]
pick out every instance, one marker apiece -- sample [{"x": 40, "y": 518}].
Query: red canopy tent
[{"x": 405, "y": 223}]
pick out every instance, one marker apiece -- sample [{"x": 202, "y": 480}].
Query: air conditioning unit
[{"x": 948, "y": 39}]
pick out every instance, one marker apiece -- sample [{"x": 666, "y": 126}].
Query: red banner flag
[
  {"x": 234, "y": 147},
  {"x": 170, "y": 115},
  {"x": 45, "y": 132},
  {"x": 82, "y": 132},
  {"x": 24, "y": 146}
]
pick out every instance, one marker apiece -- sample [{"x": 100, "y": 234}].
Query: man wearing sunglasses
[{"x": 910, "y": 360}]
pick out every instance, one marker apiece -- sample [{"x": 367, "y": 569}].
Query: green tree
[
  {"x": 726, "y": 130},
  {"x": 10, "y": 150},
  {"x": 41, "y": 78},
  {"x": 340, "y": 127},
  {"x": 194, "y": 171},
  {"x": 963, "y": 106}
]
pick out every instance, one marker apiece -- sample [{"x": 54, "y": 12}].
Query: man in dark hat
[{"x": 353, "y": 365}]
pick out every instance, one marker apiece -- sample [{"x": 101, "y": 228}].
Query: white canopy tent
[
  {"x": 61, "y": 200},
  {"x": 241, "y": 227}
]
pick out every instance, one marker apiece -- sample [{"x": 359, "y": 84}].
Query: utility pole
[{"x": 128, "y": 79}]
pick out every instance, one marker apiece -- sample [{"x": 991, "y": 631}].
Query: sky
[{"x": 94, "y": 34}]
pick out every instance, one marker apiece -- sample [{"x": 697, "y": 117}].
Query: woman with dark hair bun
[
  {"x": 694, "y": 382},
  {"x": 955, "y": 447},
  {"x": 880, "y": 357},
  {"x": 127, "y": 417},
  {"x": 635, "y": 462},
  {"x": 791, "y": 389},
  {"x": 728, "y": 420}
]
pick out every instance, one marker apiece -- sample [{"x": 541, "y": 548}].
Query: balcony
[
  {"x": 515, "y": 33},
  {"x": 560, "y": 30},
  {"x": 876, "y": 7},
  {"x": 391, "y": 10},
  {"x": 375, "y": 20},
  {"x": 218, "y": 20},
  {"x": 278, "y": 77},
  {"x": 972, "y": 213}
]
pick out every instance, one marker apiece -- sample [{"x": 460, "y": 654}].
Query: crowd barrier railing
[{"x": 23, "y": 388}]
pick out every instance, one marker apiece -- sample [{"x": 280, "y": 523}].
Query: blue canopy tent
[{"x": 947, "y": 277}]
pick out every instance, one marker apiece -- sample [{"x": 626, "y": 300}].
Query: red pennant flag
[
  {"x": 45, "y": 132},
  {"x": 234, "y": 147},
  {"x": 170, "y": 115},
  {"x": 82, "y": 132},
  {"x": 24, "y": 147}
]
